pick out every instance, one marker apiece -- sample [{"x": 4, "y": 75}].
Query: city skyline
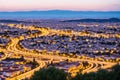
[{"x": 76, "y": 5}]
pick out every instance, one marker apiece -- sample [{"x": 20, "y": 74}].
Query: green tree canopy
[
  {"x": 50, "y": 73},
  {"x": 112, "y": 74}
]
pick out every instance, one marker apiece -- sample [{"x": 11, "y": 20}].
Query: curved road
[{"x": 13, "y": 48}]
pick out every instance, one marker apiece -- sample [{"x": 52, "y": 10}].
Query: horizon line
[{"x": 65, "y": 10}]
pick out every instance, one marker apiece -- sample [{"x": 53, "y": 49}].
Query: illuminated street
[{"x": 47, "y": 38}]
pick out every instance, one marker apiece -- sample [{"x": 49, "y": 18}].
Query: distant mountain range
[
  {"x": 61, "y": 14},
  {"x": 94, "y": 20}
]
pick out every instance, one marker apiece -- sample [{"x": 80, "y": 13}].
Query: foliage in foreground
[
  {"x": 52, "y": 73},
  {"x": 112, "y": 74}
]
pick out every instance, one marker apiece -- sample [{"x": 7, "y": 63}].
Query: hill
[{"x": 59, "y": 14}]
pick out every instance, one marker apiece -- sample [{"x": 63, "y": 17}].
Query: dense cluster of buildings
[
  {"x": 65, "y": 65},
  {"x": 11, "y": 68},
  {"x": 96, "y": 40},
  {"x": 74, "y": 44}
]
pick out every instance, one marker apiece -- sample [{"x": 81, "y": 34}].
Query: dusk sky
[{"x": 79, "y": 5}]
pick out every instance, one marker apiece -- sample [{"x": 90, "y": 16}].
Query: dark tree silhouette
[{"x": 50, "y": 73}]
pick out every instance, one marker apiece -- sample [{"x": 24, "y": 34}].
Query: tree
[
  {"x": 22, "y": 58},
  {"x": 50, "y": 73},
  {"x": 34, "y": 63},
  {"x": 102, "y": 74},
  {"x": 2, "y": 53},
  {"x": 115, "y": 73}
]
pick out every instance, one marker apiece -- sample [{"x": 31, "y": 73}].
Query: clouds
[{"x": 13, "y": 5}]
